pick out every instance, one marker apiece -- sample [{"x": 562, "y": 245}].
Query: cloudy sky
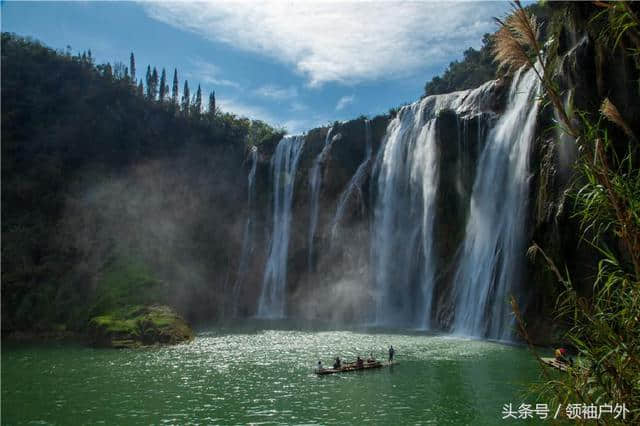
[{"x": 297, "y": 64}]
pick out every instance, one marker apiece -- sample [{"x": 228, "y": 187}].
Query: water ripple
[{"x": 239, "y": 376}]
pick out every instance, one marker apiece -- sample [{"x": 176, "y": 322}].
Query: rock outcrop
[{"x": 138, "y": 326}]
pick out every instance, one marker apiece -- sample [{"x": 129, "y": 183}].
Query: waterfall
[
  {"x": 494, "y": 245},
  {"x": 283, "y": 168},
  {"x": 404, "y": 219},
  {"x": 355, "y": 183},
  {"x": 449, "y": 191},
  {"x": 315, "y": 182},
  {"x": 407, "y": 171},
  {"x": 247, "y": 240}
]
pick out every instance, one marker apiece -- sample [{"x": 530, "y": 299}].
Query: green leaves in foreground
[{"x": 605, "y": 321}]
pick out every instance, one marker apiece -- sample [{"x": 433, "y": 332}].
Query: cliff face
[
  {"x": 338, "y": 280},
  {"x": 587, "y": 71}
]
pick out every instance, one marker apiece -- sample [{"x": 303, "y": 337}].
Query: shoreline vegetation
[
  {"x": 75, "y": 135},
  {"x": 130, "y": 327},
  {"x": 604, "y": 322}
]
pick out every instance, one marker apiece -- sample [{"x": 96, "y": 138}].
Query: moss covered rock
[{"x": 137, "y": 326}]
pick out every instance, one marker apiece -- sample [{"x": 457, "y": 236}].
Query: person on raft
[
  {"x": 319, "y": 365},
  {"x": 561, "y": 356},
  {"x": 391, "y": 353},
  {"x": 337, "y": 364},
  {"x": 359, "y": 362}
]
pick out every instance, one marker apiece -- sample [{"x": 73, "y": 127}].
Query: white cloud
[
  {"x": 277, "y": 93},
  {"x": 241, "y": 109},
  {"x": 208, "y": 73},
  {"x": 344, "y": 101},
  {"x": 345, "y": 42}
]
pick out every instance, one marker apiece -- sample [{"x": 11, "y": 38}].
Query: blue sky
[{"x": 297, "y": 64}]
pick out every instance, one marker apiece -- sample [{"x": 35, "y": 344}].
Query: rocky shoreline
[{"x": 130, "y": 327}]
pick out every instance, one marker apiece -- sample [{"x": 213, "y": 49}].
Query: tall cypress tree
[
  {"x": 154, "y": 83},
  {"x": 163, "y": 85},
  {"x": 186, "y": 98},
  {"x": 132, "y": 66},
  {"x": 148, "y": 81},
  {"x": 212, "y": 103},
  {"x": 140, "y": 89},
  {"x": 197, "y": 105},
  {"x": 174, "y": 93}
]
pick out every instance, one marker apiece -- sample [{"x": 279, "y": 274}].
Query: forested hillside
[
  {"x": 104, "y": 187},
  {"x": 475, "y": 68}
]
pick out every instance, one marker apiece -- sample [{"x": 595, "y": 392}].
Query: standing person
[
  {"x": 319, "y": 365},
  {"x": 391, "y": 353},
  {"x": 337, "y": 364}
]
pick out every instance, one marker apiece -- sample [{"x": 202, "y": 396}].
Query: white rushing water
[
  {"x": 407, "y": 268},
  {"x": 493, "y": 248},
  {"x": 404, "y": 219},
  {"x": 247, "y": 240},
  {"x": 407, "y": 173},
  {"x": 272, "y": 303},
  {"x": 315, "y": 183},
  {"x": 355, "y": 183}
]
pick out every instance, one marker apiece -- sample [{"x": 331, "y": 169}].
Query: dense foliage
[
  {"x": 475, "y": 68},
  {"x": 604, "y": 320},
  {"x": 96, "y": 173}
]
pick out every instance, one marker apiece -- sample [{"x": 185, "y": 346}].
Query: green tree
[
  {"x": 197, "y": 104},
  {"x": 140, "y": 89},
  {"x": 186, "y": 98},
  {"x": 174, "y": 89},
  {"x": 148, "y": 81},
  {"x": 212, "y": 103},
  {"x": 476, "y": 67},
  {"x": 132, "y": 67},
  {"x": 108, "y": 71},
  {"x": 164, "y": 88},
  {"x": 154, "y": 83}
]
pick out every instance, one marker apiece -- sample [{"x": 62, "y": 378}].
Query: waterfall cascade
[
  {"x": 494, "y": 247},
  {"x": 315, "y": 184},
  {"x": 247, "y": 239},
  {"x": 446, "y": 236},
  {"x": 408, "y": 175},
  {"x": 355, "y": 183},
  {"x": 284, "y": 165}
]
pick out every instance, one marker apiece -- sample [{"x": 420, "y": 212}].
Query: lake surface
[{"x": 252, "y": 374}]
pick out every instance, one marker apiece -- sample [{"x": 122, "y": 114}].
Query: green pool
[{"x": 254, "y": 374}]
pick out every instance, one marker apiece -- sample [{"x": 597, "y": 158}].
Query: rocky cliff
[{"x": 340, "y": 280}]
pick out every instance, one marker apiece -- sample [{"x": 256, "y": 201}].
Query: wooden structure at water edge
[
  {"x": 353, "y": 366},
  {"x": 552, "y": 362}
]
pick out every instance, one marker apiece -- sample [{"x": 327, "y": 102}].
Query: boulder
[{"x": 137, "y": 326}]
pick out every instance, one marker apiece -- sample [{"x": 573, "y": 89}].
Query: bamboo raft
[
  {"x": 352, "y": 367},
  {"x": 552, "y": 362}
]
